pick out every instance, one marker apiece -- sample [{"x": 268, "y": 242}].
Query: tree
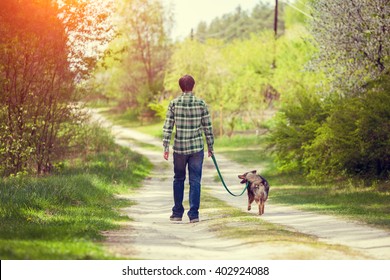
[
  {"x": 344, "y": 132},
  {"x": 354, "y": 140},
  {"x": 37, "y": 82},
  {"x": 239, "y": 24},
  {"x": 353, "y": 40},
  {"x": 146, "y": 27},
  {"x": 89, "y": 28}
]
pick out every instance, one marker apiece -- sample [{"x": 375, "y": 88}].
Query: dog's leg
[
  {"x": 251, "y": 198},
  {"x": 262, "y": 207},
  {"x": 258, "y": 202}
]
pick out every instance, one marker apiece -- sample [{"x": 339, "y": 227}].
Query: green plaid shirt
[{"x": 191, "y": 117}]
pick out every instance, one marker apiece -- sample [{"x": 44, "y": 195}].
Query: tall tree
[
  {"x": 146, "y": 26},
  {"x": 353, "y": 40},
  {"x": 89, "y": 27},
  {"x": 37, "y": 82}
]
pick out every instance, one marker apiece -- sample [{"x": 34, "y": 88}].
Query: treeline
[
  {"x": 41, "y": 59},
  {"x": 240, "y": 24}
]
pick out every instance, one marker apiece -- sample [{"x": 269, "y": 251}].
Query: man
[{"x": 191, "y": 117}]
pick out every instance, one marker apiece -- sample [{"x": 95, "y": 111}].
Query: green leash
[{"x": 223, "y": 182}]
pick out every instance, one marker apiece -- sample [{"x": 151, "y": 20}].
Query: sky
[{"x": 188, "y": 13}]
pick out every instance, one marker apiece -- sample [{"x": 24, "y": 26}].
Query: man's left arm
[
  {"x": 208, "y": 130},
  {"x": 167, "y": 130}
]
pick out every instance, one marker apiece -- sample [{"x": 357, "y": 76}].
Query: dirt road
[{"x": 150, "y": 234}]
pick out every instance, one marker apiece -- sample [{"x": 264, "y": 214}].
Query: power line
[
  {"x": 299, "y": 10},
  {"x": 304, "y": 4}
]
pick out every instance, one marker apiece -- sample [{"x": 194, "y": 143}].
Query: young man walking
[{"x": 191, "y": 117}]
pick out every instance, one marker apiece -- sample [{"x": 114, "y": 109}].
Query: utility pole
[
  {"x": 276, "y": 18},
  {"x": 275, "y": 31}
]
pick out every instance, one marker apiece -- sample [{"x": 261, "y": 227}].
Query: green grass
[
  {"x": 62, "y": 216},
  {"x": 231, "y": 223},
  {"x": 365, "y": 204},
  {"x": 352, "y": 200},
  {"x": 153, "y": 128}
]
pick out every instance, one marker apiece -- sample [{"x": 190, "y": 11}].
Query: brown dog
[{"x": 257, "y": 190}]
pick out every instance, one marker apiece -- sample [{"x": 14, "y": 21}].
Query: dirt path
[{"x": 152, "y": 236}]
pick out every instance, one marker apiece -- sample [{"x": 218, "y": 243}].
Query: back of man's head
[{"x": 186, "y": 83}]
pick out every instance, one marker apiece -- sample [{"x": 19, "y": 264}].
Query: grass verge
[
  {"x": 352, "y": 200},
  {"x": 278, "y": 242},
  {"x": 62, "y": 216},
  {"x": 153, "y": 128}
]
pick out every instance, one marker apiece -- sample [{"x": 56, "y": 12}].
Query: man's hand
[
  {"x": 166, "y": 155},
  {"x": 210, "y": 153}
]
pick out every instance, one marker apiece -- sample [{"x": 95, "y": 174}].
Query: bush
[
  {"x": 355, "y": 139},
  {"x": 295, "y": 126},
  {"x": 340, "y": 137}
]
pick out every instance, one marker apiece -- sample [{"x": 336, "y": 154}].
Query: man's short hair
[{"x": 186, "y": 83}]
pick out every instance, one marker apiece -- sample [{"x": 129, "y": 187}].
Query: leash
[{"x": 223, "y": 182}]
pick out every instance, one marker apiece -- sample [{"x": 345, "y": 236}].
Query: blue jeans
[{"x": 195, "y": 163}]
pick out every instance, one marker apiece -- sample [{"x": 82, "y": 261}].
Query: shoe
[
  {"x": 175, "y": 218},
  {"x": 194, "y": 220}
]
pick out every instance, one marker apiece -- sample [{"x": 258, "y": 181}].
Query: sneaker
[
  {"x": 194, "y": 220},
  {"x": 175, "y": 218}
]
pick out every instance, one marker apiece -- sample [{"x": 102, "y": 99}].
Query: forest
[{"x": 316, "y": 84}]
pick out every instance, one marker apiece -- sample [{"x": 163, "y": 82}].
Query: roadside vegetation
[
  {"x": 357, "y": 199},
  {"x": 231, "y": 223},
  {"x": 354, "y": 198},
  {"x": 62, "y": 216},
  {"x": 308, "y": 105}
]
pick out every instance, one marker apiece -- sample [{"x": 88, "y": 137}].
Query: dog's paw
[{"x": 249, "y": 208}]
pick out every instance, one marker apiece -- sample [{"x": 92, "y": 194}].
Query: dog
[{"x": 257, "y": 190}]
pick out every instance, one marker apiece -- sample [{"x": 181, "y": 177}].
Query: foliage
[
  {"x": 37, "y": 77},
  {"x": 353, "y": 41},
  {"x": 133, "y": 68},
  {"x": 355, "y": 139},
  {"x": 36, "y": 86},
  {"x": 62, "y": 216},
  {"x": 296, "y": 125},
  {"x": 340, "y": 129},
  {"x": 298, "y": 13},
  {"x": 88, "y": 24},
  {"x": 335, "y": 138},
  {"x": 238, "y": 80},
  {"x": 240, "y": 24}
]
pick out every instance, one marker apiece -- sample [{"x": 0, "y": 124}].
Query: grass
[
  {"x": 350, "y": 200},
  {"x": 231, "y": 223},
  {"x": 62, "y": 216},
  {"x": 153, "y": 128}
]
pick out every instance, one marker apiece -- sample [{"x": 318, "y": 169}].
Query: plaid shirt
[{"x": 191, "y": 117}]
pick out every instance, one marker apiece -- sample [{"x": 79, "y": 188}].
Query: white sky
[{"x": 188, "y": 13}]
